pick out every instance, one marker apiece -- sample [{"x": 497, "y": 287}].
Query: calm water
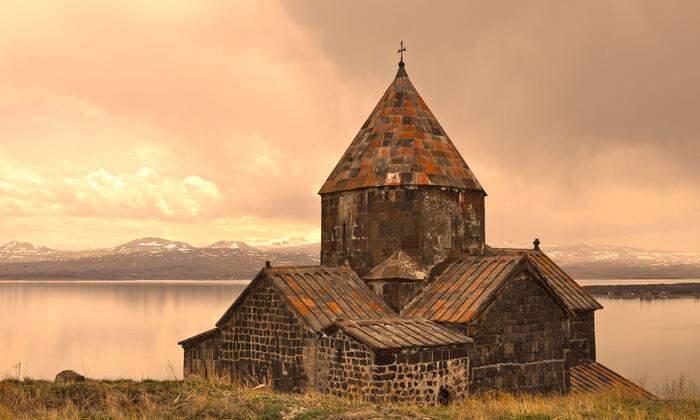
[
  {"x": 130, "y": 329},
  {"x": 602, "y": 282}
]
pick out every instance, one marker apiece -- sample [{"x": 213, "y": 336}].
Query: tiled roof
[
  {"x": 570, "y": 292},
  {"x": 320, "y": 294},
  {"x": 398, "y": 265},
  {"x": 398, "y": 333},
  {"x": 401, "y": 143},
  {"x": 464, "y": 289},
  {"x": 594, "y": 377}
]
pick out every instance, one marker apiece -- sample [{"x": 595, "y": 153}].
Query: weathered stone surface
[
  {"x": 428, "y": 223},
  {"x": 203, "y": 357},
  {"x": 265, "y": 342},
  {"x": 68, "y": 377},
  {"x": 519, "y": 341},
  {"x": 396, "y": 280},
  {"x": 581, "y": 340},
  {"x": 417, "y": 375},
  {"x": 396, "y": 293}
]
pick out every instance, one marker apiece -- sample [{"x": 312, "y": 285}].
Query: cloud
[
  {"x": 577, "y": 117},
  {"x": 144, "y": 194},
  {"x": 15, "y": 170}
]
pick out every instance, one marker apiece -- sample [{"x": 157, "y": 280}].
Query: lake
[{"x": 130, "y": 329}]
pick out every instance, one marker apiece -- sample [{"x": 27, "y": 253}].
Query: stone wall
[
  {"x": 265, "y": 342},
  {"x": 581, "y": 343},
  {"x": 202, "y": 358},
  {"x": 396, "y": 293},
  {"x": 519, "y": 341},
  {"x": 365, "y": 226},
  {"x": 350, "y": 368},
  {"x": 344, "y": 366}
]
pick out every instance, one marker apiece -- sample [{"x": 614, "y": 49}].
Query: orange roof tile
[
  {"x": 319, "y": 294},
  {"x": 385, "y": 150}
]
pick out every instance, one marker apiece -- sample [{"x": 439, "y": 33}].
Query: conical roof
[{"x": 401, "y": 143}]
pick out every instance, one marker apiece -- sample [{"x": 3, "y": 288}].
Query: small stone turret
[{"x": 396, "y": 280}]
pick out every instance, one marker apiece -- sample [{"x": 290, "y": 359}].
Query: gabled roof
[
  {"x": 401, "y": 143},
  {"x": 319, "y": 294},
  {"x": 467, "y": 286},
  {"x": 573, "y": 295},
  {"x": 398, "y": 333},
  {"x": 461, "y": 292},
  {"x": 398, "y": 265},
  {"x": 594, "y": 377}
]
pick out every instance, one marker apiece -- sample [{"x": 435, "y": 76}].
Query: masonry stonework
[
  {"x": 365, "y": 226},
  {"x": 396, "y": 293},
  {"x": 416, "y": 375},
  {"x": 202, "y": 358},
  {"x": 265, "y": 342},
  {"x": 581, "y": 342},
  {"x": 519, "y": 341}
]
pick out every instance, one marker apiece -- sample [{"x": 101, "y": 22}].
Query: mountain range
[
  {"x": 152, "y": 258},
  {"x": 157, "y": 258}
]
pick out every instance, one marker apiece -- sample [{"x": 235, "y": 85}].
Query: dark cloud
[{"x": 571, "y": 99}]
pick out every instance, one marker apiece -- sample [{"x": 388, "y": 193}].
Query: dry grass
[{"x": 178, "y": 399}]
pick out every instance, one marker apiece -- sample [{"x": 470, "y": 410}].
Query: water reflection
[
  {"x": 656, "y": 339},
  {"x": 114, "y": 329}
]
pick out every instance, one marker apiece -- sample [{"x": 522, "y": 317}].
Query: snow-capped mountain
[
  {"x": 608, "y": 261},
  {"x": 17, "y": 251},
  {"x": 152, "y": 245},
  {"x": 284, "y": 242},
  {"x": 240, "y": 245},
  {"x": 570, "y": 255},
  {"x": 148, "y": 258},
  {"x": 158, "y": 258}
]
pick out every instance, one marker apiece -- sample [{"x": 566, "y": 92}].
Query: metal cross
[{"x": 401, "y": 51}]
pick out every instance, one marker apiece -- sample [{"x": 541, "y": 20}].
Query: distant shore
[{"x": 645, "y": 291}]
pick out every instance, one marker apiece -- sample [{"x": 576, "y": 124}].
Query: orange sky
[{"x": 201, "y": 121}]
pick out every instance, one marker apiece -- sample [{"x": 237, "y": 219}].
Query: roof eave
[
  {"x": 198, "y": 336},
  {"x": 244, "y": 294},
  {"x": 325, "y": 191}
]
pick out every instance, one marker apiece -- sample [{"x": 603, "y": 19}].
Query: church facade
[{"x": 409, "y": 303}]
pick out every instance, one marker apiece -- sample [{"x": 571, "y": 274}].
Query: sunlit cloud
[{"x": 212, "y": 120}]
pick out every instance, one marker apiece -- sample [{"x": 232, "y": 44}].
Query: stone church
[{"x": 409, "y": 303}]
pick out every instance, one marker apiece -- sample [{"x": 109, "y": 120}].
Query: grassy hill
[{"x": 178, "y": 399}]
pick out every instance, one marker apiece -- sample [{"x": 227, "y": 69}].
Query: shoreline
[{"x": 645, "y": 291}]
